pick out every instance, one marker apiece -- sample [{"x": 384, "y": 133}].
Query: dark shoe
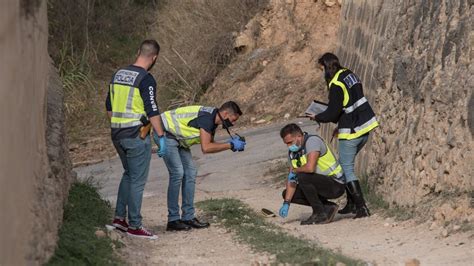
[
  {"x": 195, "y": 223},
  {"x": 120, "y": 224},
  {"x": 362, "y": 212},
  {"x": 141, "y": 233},
  {"x": 331, "y": 211},
  {"x": 350, "y": 206},
  {"x": 177, "y": 226},
  {"x": 318, "y": 218},
  {"x": 356, "y": 194}
]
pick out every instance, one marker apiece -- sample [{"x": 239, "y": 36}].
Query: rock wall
[
  {"x": 34, "y": 165},
  {"x": 414, "y": 58}
]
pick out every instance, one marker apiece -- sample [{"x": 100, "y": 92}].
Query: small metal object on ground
[{"x": 267, "y": 213}]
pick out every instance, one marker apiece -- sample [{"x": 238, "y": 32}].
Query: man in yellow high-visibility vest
[
  {"x": 184, "y": 127},
  {"x": 131, "y": 102},
  {"x": 314, "y": 177}
]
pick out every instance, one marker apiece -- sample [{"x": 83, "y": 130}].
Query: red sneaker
[
  {"x": 121, "y": 225},
  {"x": 141, "y": 233}
]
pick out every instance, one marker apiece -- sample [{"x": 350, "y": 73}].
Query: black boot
[
  {"x": 350, "y": 206},
  {"x": 316, "y": 218},
  {"x": 356, "y": 193},
  {"x": 331, "y": 210}
]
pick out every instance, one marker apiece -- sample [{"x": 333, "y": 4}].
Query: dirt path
[
  {"x": 241, "y": 175},
  {"x": 212, "y": 246}
]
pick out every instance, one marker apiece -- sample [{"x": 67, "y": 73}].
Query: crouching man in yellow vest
[
  {"x": 315, "y": 175},
  {"x": 184, "y": 127}
]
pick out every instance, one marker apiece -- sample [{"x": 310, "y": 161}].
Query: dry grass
[
  {"x": 197, "y": 39},
  {"x": 90, "y": 39}
]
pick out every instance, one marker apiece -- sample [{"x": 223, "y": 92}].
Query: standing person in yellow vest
[
  {"x": 355, "y": 118},
  {"x": 131, "y": 102},
  {"x": 184, "y": 127},
  {"x": 315, "y": 175}
]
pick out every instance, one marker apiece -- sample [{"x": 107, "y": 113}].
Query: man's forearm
[
  {"x": 214, "y": 147},
  {"x": 156, "y": 123},
  {"x": 290, "y": 191},
  {"x": 304, "y": 169}
]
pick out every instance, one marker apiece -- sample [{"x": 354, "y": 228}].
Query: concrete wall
[
  {"x": 34, "y": 166},
  {"x": 414, "y": 58}
]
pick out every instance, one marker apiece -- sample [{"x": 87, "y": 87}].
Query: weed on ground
[
  {"x": 84, "y": 213},
  {"x": 376, "y": 201},
  {"x": 262, "y": 236}
]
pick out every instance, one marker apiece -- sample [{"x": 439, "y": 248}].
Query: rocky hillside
[
  {"x": 275, "y": 73},
  {"x": 415, "y": 63}
]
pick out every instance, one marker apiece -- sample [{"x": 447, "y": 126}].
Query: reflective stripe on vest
[
  {"x": 345, "y": 133},
  {"x": 176, "y": 122},
  {"x": 125, "y": 125},
  {"x": 126, "y": 115},
  {"x": 351, "y": 108},
  {"x": 327, "y": 164}
]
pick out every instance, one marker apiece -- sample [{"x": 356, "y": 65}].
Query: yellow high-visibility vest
[
  {"x": 176, "y": 122},
  {"x": 127, "y": 103},
  {"x": 327, "y": 164}
]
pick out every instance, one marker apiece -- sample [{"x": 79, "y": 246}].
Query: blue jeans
[
  {"x": 182, "y": 173},
  {"x": 348, "y": 150},
  {"x": 135, "y": 155}
]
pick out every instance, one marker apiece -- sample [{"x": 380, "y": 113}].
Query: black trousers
[{"x": 314, "y": 190}]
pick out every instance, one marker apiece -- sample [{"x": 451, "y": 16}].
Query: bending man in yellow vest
[
  {"x": 131, "y": 102},
  {"x": 184, "y": 127},
  {"x": 315, "y": 175}
]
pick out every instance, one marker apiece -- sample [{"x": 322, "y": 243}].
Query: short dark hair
[
  {"x": 331, "y": 65},
  {"x": 231, "y": 106},
  {"x": 290, "y": 129},
  {"x": 149, "y": 48}
]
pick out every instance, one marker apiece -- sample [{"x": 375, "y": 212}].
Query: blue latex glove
[
  {"x": 284, "y": 209},
  {"x": 162, "y": 151},
  {"x": 161, "y": 142},
  {"x": 292, "y": 177},
  {"x": 237, "y": 144}
]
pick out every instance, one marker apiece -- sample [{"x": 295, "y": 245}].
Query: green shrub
[{"x": 84, "y": 213}]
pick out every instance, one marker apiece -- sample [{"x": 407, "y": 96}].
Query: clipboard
[{"x": 315, "y": 108}]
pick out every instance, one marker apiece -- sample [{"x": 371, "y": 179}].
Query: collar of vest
[
  {"x": 336, "y": 76},
  {"x": 302, "y": 151}
]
